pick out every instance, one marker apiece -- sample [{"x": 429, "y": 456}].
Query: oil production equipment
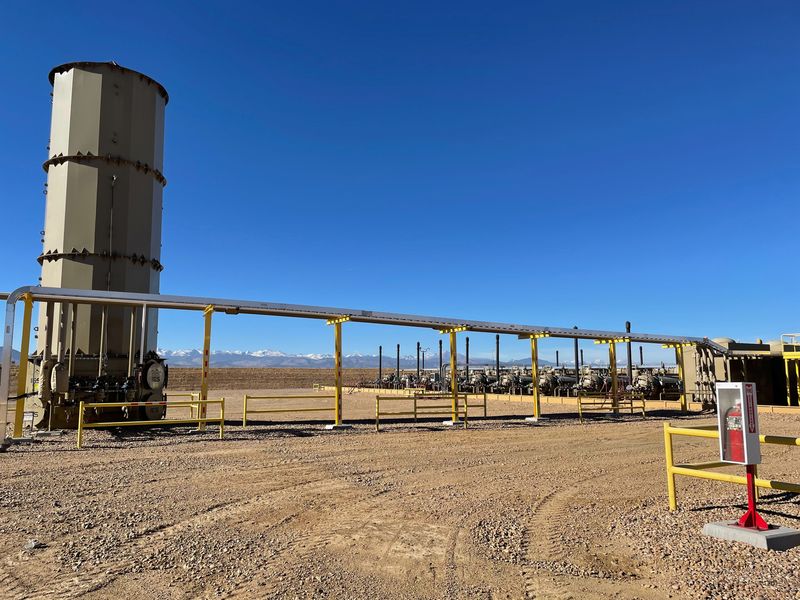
[{"x": 102, "y": 232}]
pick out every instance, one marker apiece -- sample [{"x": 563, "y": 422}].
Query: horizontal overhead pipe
[
  {"x": 228, "y": 306},
  {"x": 323, "y": 312}
]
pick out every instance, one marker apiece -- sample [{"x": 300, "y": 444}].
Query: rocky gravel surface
[
  {"x": 501, "y": 539},
  {"x": 705, "y": 567},
  {"x": 501, "y": 510}
]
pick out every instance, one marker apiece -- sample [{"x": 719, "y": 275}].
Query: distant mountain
[
  {"x": 275, "y": 358},
  {"x": 14, "y": 355}
]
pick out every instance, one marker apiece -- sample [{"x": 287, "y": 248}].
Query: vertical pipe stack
[
  {"x": 497, "y": 357},
  {"x": 466, "y": 363},
  {"x": 577, "y": 366},
  {"x": 441, "y": 368},
  {"x": 630, "y": 357}
]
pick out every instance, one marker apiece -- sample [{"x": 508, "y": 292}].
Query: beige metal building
[{"x": 765, "y": 364}]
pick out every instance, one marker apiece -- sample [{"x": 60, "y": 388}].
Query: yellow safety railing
[
  {"x": 604, "y": 402},
  {"x": 246, "y": 410},
  {"x": 481, "y": 396},
  {"x": 192, "y": 396},
  {"x": 703, "y": 470},
  {"x": 173, "y": 404},
  {"x": 420, "y": 406},
  {"x": 411, "y": 391}
]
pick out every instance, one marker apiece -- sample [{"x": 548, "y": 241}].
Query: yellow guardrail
[
  {"x": 702, "y": 470},
  {"x": 192, "y": 396},
  {"x": 602, "y": 402},
  {"x": 420, "y": 407},
  {"x": 411, "y": 391},
  {"x": 173, "y": 404},
  {"x": 247, "y": 410}
]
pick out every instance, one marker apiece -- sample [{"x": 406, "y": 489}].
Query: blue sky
[{"x": 552, "y": 163}]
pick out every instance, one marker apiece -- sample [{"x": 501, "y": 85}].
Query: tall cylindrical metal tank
[
  {"x": 104, "y": 186},
  {"x": 103, "y": 215}
]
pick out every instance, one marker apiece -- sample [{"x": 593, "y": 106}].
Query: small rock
[{"x": 33, "y": 544}]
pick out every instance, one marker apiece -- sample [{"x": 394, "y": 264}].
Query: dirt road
[{"x": 501, "y": 510}]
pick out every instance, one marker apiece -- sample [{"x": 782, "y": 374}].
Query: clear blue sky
[{"x": 553, "y": 163}]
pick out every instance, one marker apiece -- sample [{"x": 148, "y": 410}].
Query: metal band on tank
[
  {"x": 111, "y": 65},
  {"x": 116, "y": 160},
  {"x": 139, "y": 259}
]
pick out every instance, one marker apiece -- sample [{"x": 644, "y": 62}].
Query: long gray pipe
[{"x": 229, "y": 306}]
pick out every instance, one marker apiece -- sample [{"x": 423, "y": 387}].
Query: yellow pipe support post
[
  {"x": 22, "y": 372},
  {"x": 534, "y": 379},
  {"x": 337, "y": 370},
  {"x": 222, "y": 418},
  {"x": 80, "y": 425},
  {"x": 612, "y": 362},
  {"x": 797, "y": 379},
  {"x": 244, "y": 411},
  {"x": 454, "y": 376},
  {"x": 202, "y": 408},
  {"x": 337, "y": 364},
  {"x": 673, "y": 503},
  {"x": 679, "y": 362},
  {"x": 788, "y": 383}
]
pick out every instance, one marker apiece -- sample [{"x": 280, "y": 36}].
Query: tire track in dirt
[
  {"x": 541, "y": 535},
  {"x": 95, "y": 577},
  {"x": 452, "y": 585},
  {"x": 344, "y": 513},
  {"x": 10, "y": 584},
  {"x": 550, "y": 575}
]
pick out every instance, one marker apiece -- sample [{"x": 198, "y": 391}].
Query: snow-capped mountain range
[{"x": 276, "y": 358}]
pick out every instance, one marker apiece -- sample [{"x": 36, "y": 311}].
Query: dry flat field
[
  {"x": 267, "y": 378},
  {"x": 501, "y": 510}
]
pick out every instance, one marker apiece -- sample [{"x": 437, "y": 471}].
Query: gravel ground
[{"x": 501, "y": 510}]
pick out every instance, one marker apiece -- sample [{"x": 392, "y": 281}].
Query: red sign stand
[{"x": 751, "y": 519}]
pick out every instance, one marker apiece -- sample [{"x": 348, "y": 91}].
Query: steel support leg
[
  {"x": 788, "y": 383},
  {"x": 337, "y": 369},
  {"x": 132, "y": 342},
  {"x": 535, "y": 377},
  {"x": 612, "y": 362},
  {"x": 202, "y": 406},
  {"x": 797, "y": 379},
  {"x": 454, "y": 375},
  {"x": 679, "y": 362}
]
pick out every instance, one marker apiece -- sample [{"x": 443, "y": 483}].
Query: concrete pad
[
  {"x": 775, "y": 538},
  {"x": 531, "y": 419},
  {"x": 340, "y": 426},
  {"x": 452, "y": 423}
]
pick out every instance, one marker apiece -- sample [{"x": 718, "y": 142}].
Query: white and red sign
[{"x": 737, "y": 416}]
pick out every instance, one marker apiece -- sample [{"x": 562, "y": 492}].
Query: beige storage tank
[
  {"x": 102, "y": 228},
  {"x": 104, "y": 185}
]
